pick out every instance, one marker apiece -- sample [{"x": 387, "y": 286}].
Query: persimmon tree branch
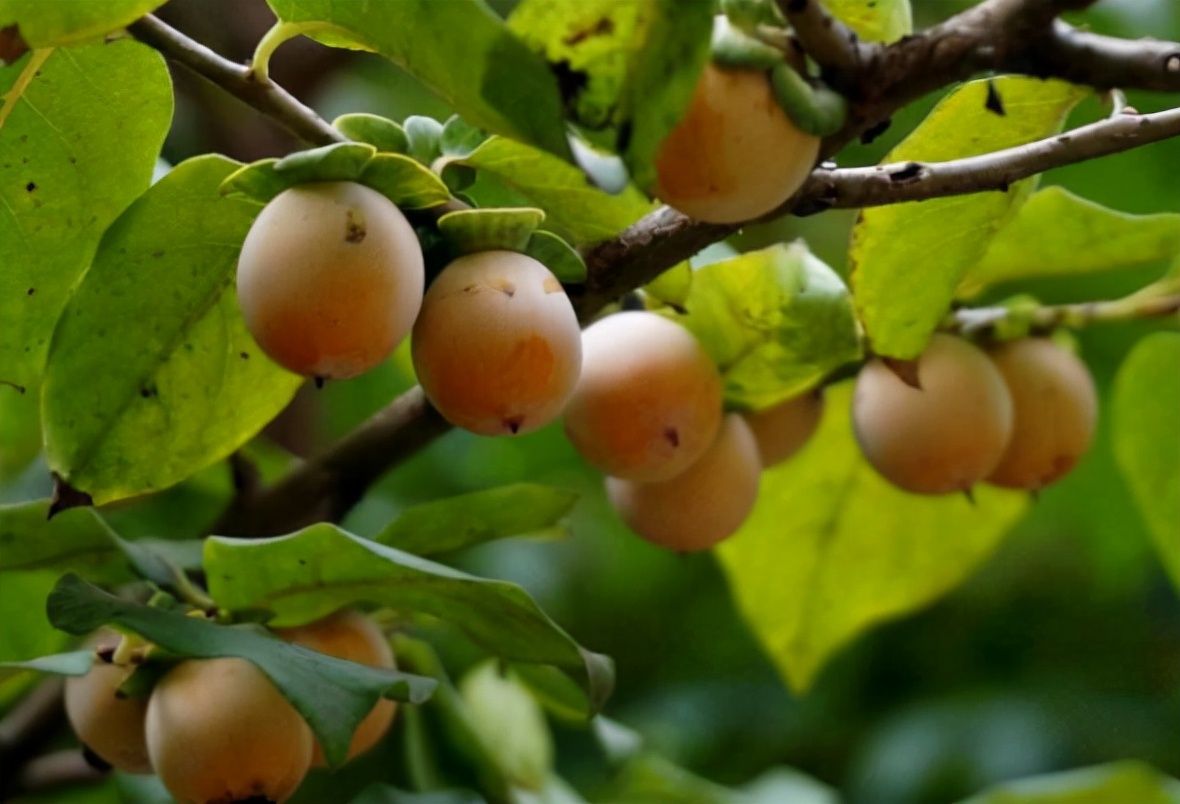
[
  {"x": 1022, "y": 36},
  {"x": 1151, "y": 302},
  {"x": 237, "y": 79}
]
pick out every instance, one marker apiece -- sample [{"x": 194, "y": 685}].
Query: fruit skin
[
  {"x": 782, "y": 430},
  {"x": 648, "y": 403},
  {"x": 330, "y": 279},
  {"x": 497, "y": 346},
  {"x": 944, "y": 437},
  {"x": 702, "y": 505},
  {"x": 736, "y": 155},
  {"x": 218, "y": 731},
  {"x": 111, "y": 727},
  {"x": 352, "y": 636},
  {"x": 1055, "y": 408}
]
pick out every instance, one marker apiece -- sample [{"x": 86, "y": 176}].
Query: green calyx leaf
[
  {"x": 812, "y": 107},
  {"x": 557, "y": 255},
  {"x": 733, "y": 47},
  {"x": 469, "y": 231},
  {"x": 380, "y": 132},
  {"x": 404, "y": 181},
  {"x": 331, "y": 694}
]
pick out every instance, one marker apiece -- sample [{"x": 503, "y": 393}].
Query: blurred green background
[{"x": 1062, "y": 651}]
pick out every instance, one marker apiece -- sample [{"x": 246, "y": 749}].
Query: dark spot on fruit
[
  {"x": 513, "y": 424},
  {"x": 354, "y": 227},
  {"x": 319, "y": 382},
  {"x": 672, "y": 436}
]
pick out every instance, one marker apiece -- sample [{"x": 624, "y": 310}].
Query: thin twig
[
  {"x": 834, "y": 46},
  {"x": 918, "y": 181},
  {"x": 1045, "y": 319},
  {"x": 54, "y": 771},
  {"x": 264, "y": 95},
  {"x": 26, "y": 727}
]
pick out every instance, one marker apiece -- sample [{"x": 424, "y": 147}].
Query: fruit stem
[{"x": 279, "y": 33}]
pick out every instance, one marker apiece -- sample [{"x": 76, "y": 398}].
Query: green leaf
[
  {"x": 20, "y": 429},
  {"x": 630, "y": 66},
  {"x": 308, "y": 574},
  {"x": 557, "y": 255},
  {"x": 380, "y": 132},
  {"x": 1059, "y": 234},
  {"x": 461, "y": 50},
  {"x": 48, "y": 24},
  {"x": 510, "y": 724},
  {"x": 908, "y": 259},
  {"x": 76, "y": 147},
  {"x": 76, "y": 540},
  {"x": 832, "y": 549},
  {"x": 1124, "y": 781},
  {"x": 874, "y": 20},
  {"x": 469, "y": 231},
  {"x": 76, "y": 663},
  {"x": 576, "y": 210},
  {"x": 173, "y": 380},
  {"x": 1147, "y": 438},
  {"x": 331, "y": 694},
  {"x": 26, "y": 632},
  {"x": 775, "y": 321},
  {"x": 378, "y": 793},
  {"x": 478, "y": 517}
]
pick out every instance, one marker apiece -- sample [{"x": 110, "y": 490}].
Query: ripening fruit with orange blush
[
  {"x": 783, "y": 429},
  {"x": 1055, "y": 407},
  {"x": 736, "y": 155},
  {"x": 497, "y": 346},
  {"x": 108, "y": 724},
  {"x": 648, "y": 403},
  {"x": 330, "y": 279},
  {"x": 354, "y": 637},
  {"x": 945, "y": 436},
  {"x": 703, "y": 504},
  {"x": 218, "y": 731}
]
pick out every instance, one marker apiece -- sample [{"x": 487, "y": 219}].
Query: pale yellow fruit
[
  {"x": 704, "y": 504},
  {"x": 497, "y": 346},
  {"x": 783, "y": 429},
  {"x": 330, "y": 279},
  {"x": 736, "y": 155},
  {"x": 648, "y": 403},
  {"x": 218, "y": 731},
  {"x": 944, "y": 437},
  {"x": 1055, "y": 408},
  {"x": 352, "y": 636},
  {"x": 110, "y": 726}
]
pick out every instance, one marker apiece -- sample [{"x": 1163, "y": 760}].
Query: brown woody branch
[{"x": 919, "y": 181}]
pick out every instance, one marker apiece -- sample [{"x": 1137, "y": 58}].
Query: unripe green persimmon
[
  {"x": 330, "y": 279},
  {"x": 736, "y": 154},
  {"x": 109, "y": 725},
  {"x": 497, "y": 346},
  {"x": 219, "y": 732},
  {"x": 648, "y": 403},
  {"x": 702, "y": 505},
  {"x": 1055, "y": 407},
  {"x": 945, "y": 436},
  {"x": 783, "y": 429},
  {"x": 352, "y": 636}
]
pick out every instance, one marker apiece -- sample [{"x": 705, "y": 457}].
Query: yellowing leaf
[
  {"x": 874, "y": 20},
  {"x": 832, "y": 549},
  {"x": 908, "y": 259},
  {"x": 1146, "y": 414},
  {"x": 1059, "y": 234}
]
